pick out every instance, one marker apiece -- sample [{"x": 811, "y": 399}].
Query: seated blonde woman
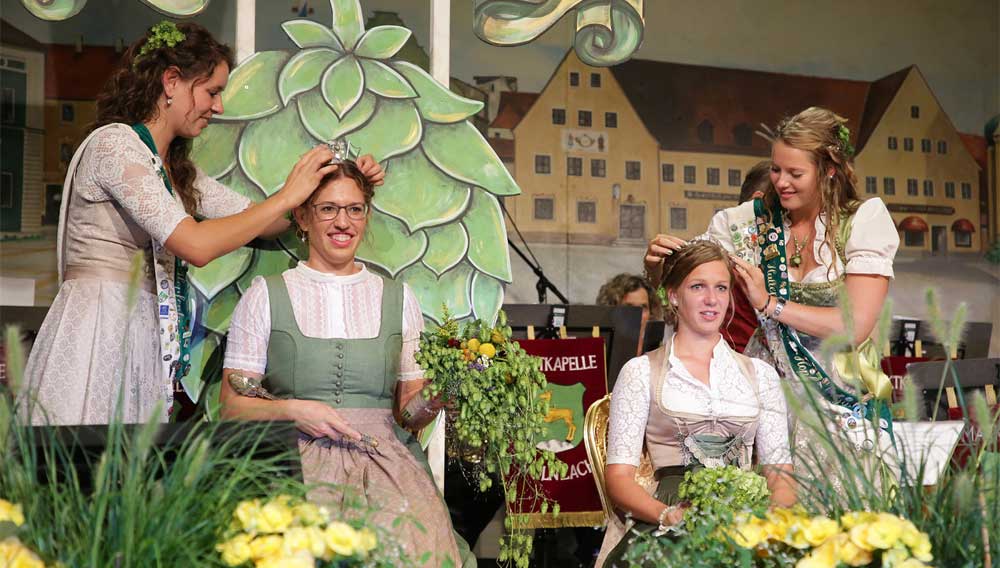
[{"x": 693, "y": 403}]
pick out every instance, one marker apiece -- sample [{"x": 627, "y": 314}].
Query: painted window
[
  {"x": 558, "y": 116},
  {"x": 598, "y": 168},
  {"x": 595, "y": 79},
  {"x": 668, "y": 172},
  {"x": 942, "y": 147},
  {"x": 543, "y": 164},
  {"x": 706, "y": 132},
  {"x": 678, "y": 218},
  {"x": 908, "y": 144},
  {"x": 914, "y": 111},
  {"x": 633, "y": 170},
  {"x": 586, "y": 212},
  {"x": 889, "y": 185},
  {"x": 893, "y": 143},
  {"x": 911, "y": 187},
  {"x": 68, "y": 112},
  {"x": 611, "y": 120},
  {"x": 743, "y": 134},
  {"x": 689, "y": 174},
  {"x": 545, "y": 208},
  {"x": 735, "y": 178},
  {"x": 574, "y": 166},
  {"x": 949, "y": 189},
  {"x": 966, "y": 190},
  {"x": 928, "y": 188},
  {"x": 925, "y": 145},
  {"x": 963, "y": 239},
  {"x": 871, "y": 184},
  {"x": 574, "y": 79},
  {"x": 632, "y": 221},
  {"x": 913, "y": 238},
  {"x": 713, "y": 176},
  {"x": 584, "y": 118}
]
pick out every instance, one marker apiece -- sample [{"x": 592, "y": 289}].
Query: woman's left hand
[
  {"x": 372, "y": 170},
  {"x": 752, "y": 280}
]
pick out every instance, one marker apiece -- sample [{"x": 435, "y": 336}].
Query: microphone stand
[{"x": 543, "y": 284}]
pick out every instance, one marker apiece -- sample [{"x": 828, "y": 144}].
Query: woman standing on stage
[{"x": 131, "y": 187}]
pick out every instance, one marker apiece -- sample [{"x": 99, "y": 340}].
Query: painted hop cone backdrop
[{"x": 436, "y": 223}]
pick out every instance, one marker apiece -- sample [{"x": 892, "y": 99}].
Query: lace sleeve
[
  {"x": 217, "y": 200},
  {"x": 629, "y": 412},
  {"x": 874, "y": 240},
  {"x": 772, "y": 432},
  {"x": 124, "y": 170},
  {"x": 413, "y": 324},
  {"x": 249, "y": 330}
]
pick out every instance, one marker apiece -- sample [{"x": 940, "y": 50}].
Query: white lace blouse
[
  {"x": 325, "y": 306},
  {"x": 869, "y": 249},
  {"x": 729, "y": 394}
]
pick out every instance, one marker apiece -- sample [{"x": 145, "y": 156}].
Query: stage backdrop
[{"x": 577, "y": 376}]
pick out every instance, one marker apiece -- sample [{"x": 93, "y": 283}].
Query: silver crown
[{"x": 342, "y": 150}]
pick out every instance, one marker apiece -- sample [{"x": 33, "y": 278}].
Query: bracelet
[
  {"x": 767, "y": 302},
  {"x": 778, "y": 308},
  {"x": 662, "y": 519}
]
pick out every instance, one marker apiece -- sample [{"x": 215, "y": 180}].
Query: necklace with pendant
[{"x": 796, "y": 259}]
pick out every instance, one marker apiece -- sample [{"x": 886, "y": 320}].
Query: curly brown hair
[
  {"x": 130, "y": 96},
  {"x": 613, "y": 291}
]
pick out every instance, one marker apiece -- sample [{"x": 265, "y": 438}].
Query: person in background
[{"x": 632, "y": 290}]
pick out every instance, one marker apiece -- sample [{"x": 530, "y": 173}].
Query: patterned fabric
[
  {"x": 326, "y": 306},
  {"x": 89, "y": 345},
  {"x": 729, "y": 394}
]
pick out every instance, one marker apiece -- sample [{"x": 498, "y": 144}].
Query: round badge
[
  {"x": 782, "y": 267},
  {"x": 773, "y": 237}
]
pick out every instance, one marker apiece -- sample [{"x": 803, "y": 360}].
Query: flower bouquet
[
  {"x": 493, "y": 387},
  {"x": 723, "y": 491},
  {"x": 283, "y": 531}
]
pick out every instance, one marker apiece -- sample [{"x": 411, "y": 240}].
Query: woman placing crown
[
  {"x": 132, "y": 187},
  {"x": 795, "y": 249}
]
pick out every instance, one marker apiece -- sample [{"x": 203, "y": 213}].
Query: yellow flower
[
  {"x": 474, "y": 345},
  {"x": 246, "y": 513},
  {"x": 236, "y": 550},
  {"x": 859, "y": 537},
  {"x": 13, "y": 554},
  {"x": 885, "y": 531},
  {"x": 310, "y": 514},
  {"x": 317, "y": 543},
  {"x": 278, "y": 561},
  {"x": 819, "y": 529},
  {"x": 264, "y": 546},
  {"x": 748, "y": 535},
  {"x": 854, "y": 518},
  {"x": 850, "y": 553},
  {"x": 487, "y": 350},
  {"x": 11, "y": 512},
  {"x": 918, "y": 542},
  {"x": 366, "y": 541},
  {"x": 894, "y": 556},
  {"x": 275, "y": 516},
  {"x": 296, "y": 539},
  {"x": 824, "y": 556},
  {"x": 341, "y": 538}
]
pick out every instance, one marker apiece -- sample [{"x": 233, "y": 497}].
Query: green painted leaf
[
  {"x": 320, "y": 121},
  {"x": 201, "y": 369},
  {"x": 221, "y": 272},
  {"x": 436, "y": 103},
  {"x": 389, "y": 245},
  {"x": 393, "y": 130},
  {"x": 271, "y": 146},
  {"x": 382, "y": 42},
  {"x": 303, "y": 71},
  {"x": 220, "y": 310},
  {"x": 487, "y": 236},
  {"x": 487, "y": 296},
  {"x": 307, "y": 33},
  {"x": 419, "y": 194},
  {"x": 265, "y": 263},
  {"x": 384, "y": 81},
  {"x": 446, "y": 247},
  {"x": 462, "y": 152},
  {"x": 241, "y": 184},
  {"x": 343, "y": 83},
  {"x": 348, "y": 21},
  {"x": 451, "y": 289},
  {"x": 214, "y": 150},
  {"x": 252, "y": 91}
]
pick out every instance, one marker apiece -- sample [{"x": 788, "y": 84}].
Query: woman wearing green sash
[
  {"x": 692, "y": 403},
  {"x": 132, "y": 187},
  {"x": 331, "y": 347},
  {"x": 810, "y": 237}
]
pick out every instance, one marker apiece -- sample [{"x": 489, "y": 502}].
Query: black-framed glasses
[{"x": 327, "y": 211}]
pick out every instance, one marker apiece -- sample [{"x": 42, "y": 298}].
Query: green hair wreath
[
  {"x": 844, "y": 134},
  {"x": 163, "y": 34}
]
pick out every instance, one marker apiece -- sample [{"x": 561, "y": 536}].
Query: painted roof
[
  {"x": 977, "y": 148},
  {"x": 10, "y": 35},
  {"x": 78, "y": 76},
  {"x": 504, "y": 147},
  {"x": 513, "y": 106}
]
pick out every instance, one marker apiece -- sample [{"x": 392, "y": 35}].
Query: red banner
[{"x": 577, "y": 376}]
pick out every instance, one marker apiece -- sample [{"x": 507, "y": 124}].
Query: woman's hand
[
  {"x": 659, "y": 248},
  {"x": 306, "y": 175},
  {"x": 318, "y": 420},
  {"x": 372, "y": 170},
  {"x": 752, "y": 281}
]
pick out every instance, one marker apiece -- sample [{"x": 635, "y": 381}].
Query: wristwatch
[{"x": 778, "y": 307}]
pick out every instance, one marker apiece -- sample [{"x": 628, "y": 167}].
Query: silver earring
[{"x": 170, "y": 101}]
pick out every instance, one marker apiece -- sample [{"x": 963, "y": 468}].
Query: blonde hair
[
  {"x": 682, "y": 263},
  {"x": 823, "y": 134}
]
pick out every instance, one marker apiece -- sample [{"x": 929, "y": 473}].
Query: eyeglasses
[{"x": 328, "y": 211}]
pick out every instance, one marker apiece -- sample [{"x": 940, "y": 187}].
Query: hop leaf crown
[
  {"x": 844, "y": 137},
  {"x": 163, "y": 34}
]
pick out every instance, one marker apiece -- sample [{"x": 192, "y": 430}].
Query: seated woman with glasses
[{"x": 330, "y": 346}]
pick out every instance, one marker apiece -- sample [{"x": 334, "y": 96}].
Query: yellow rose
[
  {"x": 885, "y": 531},
  {"x": 236, "y": 550},
  {"x": 317, "y": 543},
  {"x": 298, "y": 561},
  {"x": 851, "y": 554},
  {"x": 341, "y": 538},
  {"x": 366, "y": 541},
  {"x": 796, "y": 536},
  {"x": 11, "y": 512},
  {"x": 246, "y": 513},
  {"x": 894, "y": 556},
  {"x": 748, "y": 535},
  {"x": 824, "y": 556},
  {"x": 296, "y": 539},
  {"x": 859, "y": 537},
  {"x": 855, "y": 518},
  {"x": 13, "y": 554},
  {"x": 819, "y": 529},
  {"x": 310, "y": 514},
  {"x": 922, "y": 550},
  {"x": 264, "y": 546},
  {"x": 274, "y": 517}
]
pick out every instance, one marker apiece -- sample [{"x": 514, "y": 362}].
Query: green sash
[{"x": 773, "y": 262}]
